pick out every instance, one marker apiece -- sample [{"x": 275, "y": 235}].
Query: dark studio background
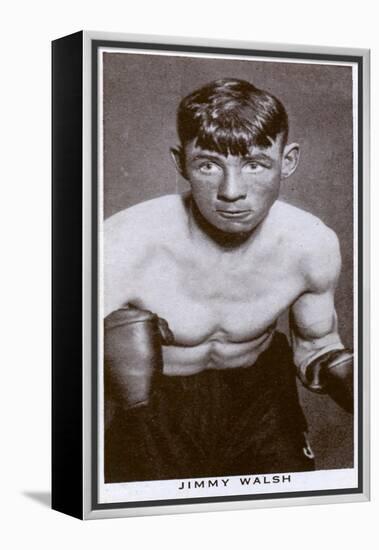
[{"x": 141, "y": 94}]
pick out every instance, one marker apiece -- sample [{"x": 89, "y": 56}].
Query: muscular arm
[
  {"x": 314, "y": 327},
  {"x": 324, "y": 366},
  {"x": 132, "y": 336}
]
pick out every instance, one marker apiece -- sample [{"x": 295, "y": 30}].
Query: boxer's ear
[
  {"x": 177, "y": 155},
  {"x": 290, "y": 159}
]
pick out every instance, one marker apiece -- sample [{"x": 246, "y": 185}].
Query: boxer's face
[{"x": 235, "y": 193}]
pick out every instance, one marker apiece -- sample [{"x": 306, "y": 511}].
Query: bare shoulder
[
  {"x": 146, "y": 215},
  {"x": 131, "y": 237},
  {"x": 315, "y": 246},
  {"x": 145, "y": 223}
]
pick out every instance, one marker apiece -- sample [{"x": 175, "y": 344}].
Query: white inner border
[{"x": 124, "y": 492}]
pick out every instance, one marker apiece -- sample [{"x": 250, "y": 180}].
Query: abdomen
[{"x": 214, "y": 353}]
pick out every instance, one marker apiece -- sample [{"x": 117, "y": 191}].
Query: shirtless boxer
[{"x": 200, "y": 381}]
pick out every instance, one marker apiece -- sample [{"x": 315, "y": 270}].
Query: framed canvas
[{"x": 210, "y": 275}]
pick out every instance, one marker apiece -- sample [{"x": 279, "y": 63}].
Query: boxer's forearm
[{"x": 308, "y": 346}]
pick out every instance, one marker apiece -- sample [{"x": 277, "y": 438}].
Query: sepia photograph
[
  {"x": 228, "y": 240},
  {"x": 187, "y": 189}
]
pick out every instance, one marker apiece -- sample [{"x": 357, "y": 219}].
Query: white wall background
[{"x": 27, "y": 28}]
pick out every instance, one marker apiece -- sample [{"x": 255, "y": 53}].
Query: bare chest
[{"x": 237, "y": 301}]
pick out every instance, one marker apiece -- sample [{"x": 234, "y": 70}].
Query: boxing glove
[
  {"x": 133, "y": 355},
  {"x": 332, "y": 373}
]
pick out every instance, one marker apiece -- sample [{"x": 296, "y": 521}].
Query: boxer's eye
[
  {"x": 253, "y": 167},
  {"x": 209, "y": 168}
]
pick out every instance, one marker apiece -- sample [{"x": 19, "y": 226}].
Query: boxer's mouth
[{"x": 234, "y": 213}]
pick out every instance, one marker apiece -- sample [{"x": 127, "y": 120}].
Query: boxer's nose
[{"x": 231, "y": 188}]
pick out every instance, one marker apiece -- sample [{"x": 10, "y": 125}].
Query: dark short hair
[{"x": 230, "y": 116}]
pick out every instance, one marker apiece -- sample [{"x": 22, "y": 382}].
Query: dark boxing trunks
[{"x": 215, "y": 423}]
